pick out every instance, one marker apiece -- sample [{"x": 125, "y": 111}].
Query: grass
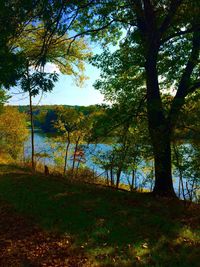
[{"x": 105, "y": 226}]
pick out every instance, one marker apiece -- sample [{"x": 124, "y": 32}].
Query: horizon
[{"x": 27, "y": 105}]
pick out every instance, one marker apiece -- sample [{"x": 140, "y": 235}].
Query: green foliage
[
  {"x": 33, "y": 31},
  {"x": 68, "y": 57},
  {"x": 73, "y": 122},
  {"x": 74, "y": 128},
  {"x": 3, "y": 98},
  {"x": 46, "y": 120},
  {"x": 185, "y": 159},
  {"x": 13, "y": 131},
  {"x": 122, "y": 79},
  {"x": 128, "y": 136},
  {"x": 46, "y": 115},
  {"x": 13, "y": 15},
  {"x": 37, "y": 81}
]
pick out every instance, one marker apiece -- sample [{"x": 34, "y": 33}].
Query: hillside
[{"x": 47, "y": 221}]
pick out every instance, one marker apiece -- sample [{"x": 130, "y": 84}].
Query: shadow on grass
[{"x": 114, "y": 228}]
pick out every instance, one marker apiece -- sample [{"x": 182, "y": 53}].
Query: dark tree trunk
[
  {"x": 66, "y": 154},
  {"x": 107, "y": 178},
  {"x": 181, "y": 185},
  {"x": 159, "y": 128},
  {"x": 163, "y": 168},
  {"x": 77, "y": 167},
  {"x": 111, "y": 176},
  {"x": 118, "y": 176},
  {"x": 133, "y": 179},
  {"x": 32, "y": 133},
  {"x": 75, "y": 151}
]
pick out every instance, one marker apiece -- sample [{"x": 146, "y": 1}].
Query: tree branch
[
  {"x": 179, "y": 33},
  {"x": 192, "y": 62},
  {"x": 138, "y": 10},
  {"x": 194, "y": 86},
  {"x": 174, "y": 5},
  {"x": 185, "y": 87}
]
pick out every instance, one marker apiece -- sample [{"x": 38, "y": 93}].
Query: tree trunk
[
  {"x": 118, "y": 176},
  {"x": 180, "y": 173},
  {"x": 66, "y": 154},
  {"x": 111, "y": 176},
  {"x": 159, "y": 128},
  {"x": 163, "y": 168},
  {"x": 133, "y": 179},
  {"x": 32, "y": 133},
  {"x": 77, "y": 167},
  {"x": 75, "y": 151},
  {"x": 107, "y": 178}
]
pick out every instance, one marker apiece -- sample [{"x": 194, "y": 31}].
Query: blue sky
[{"x": 65, "y": 91}]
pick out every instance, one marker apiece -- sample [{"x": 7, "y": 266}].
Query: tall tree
[
  {"x": 165, "y": 38},
  {"x": 33, "y": 83},
  {"x": 35, "y": 80}
]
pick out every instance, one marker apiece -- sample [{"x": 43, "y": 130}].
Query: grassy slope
[{"x": 104, "y": 226}]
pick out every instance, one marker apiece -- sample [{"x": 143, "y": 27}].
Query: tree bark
[
  {"x": 181, "y": 185},
  {"x": 133, "y": 179},
  {"x": 75, "y": 150},
  {"x": 66, "y": 154},
  {"x": 32, "y": 133},
  {"x": 163, "y": 168},
  {"x": 111, "y": 175},
  {"x": 118, "y": 176},
  {"x": 159, "y": 128}
]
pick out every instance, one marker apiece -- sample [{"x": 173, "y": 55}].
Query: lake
[{"x": 43, "y": 145}]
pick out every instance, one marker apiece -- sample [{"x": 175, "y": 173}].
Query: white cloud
[{"x": 50, "y": 68}]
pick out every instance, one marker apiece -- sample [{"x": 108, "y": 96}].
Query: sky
[{"x": 65, "y": 92}]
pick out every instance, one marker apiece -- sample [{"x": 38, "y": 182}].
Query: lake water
[{"x": 43, "y": 145}]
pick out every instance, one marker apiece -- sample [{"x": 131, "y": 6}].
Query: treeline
[{"x": 46, "y": 115}]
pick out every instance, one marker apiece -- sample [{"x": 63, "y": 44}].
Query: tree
[
  {"x": 34, "y": 79},
  {"x": 33, "y": 84},
  {"x": 13, "y": 15},
  {"x": 66, "y": 125},
  {"x": 164, "y": 41},
  {"x": 74, "y": 129},
  {"x": 46, "y": 120},
  {"x": 13, "y": 131},
  {"x": 128, "y": 133}
]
